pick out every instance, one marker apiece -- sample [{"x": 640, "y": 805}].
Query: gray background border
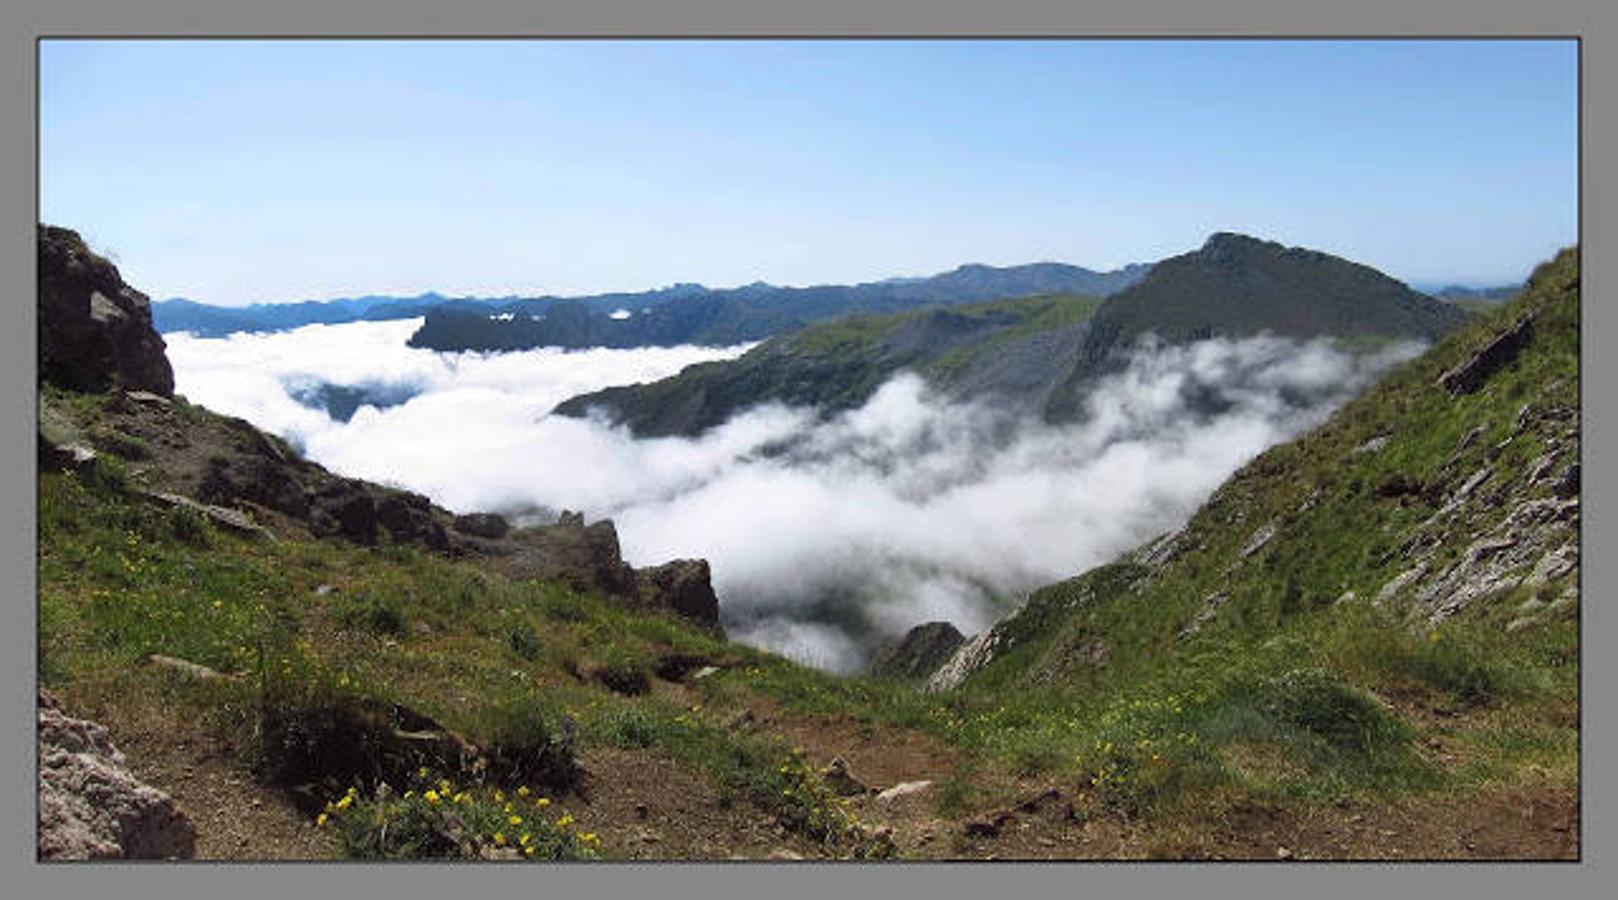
[{"x": 22, "y": 22}]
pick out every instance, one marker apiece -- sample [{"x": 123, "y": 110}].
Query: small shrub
[
  {"x": 189, "y": 527},
  {"x": 631, "y": 728},
  {"x": 526, "y": 742},
  {"x": 624, "y": 673},
  {"x": 523, "y": 641},
  {"x": 377, "y": 615},
  {"x": 127, "y": 446},
  {"x": 436, "y": 819}
]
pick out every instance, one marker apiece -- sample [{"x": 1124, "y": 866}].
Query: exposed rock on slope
[
  {"x": 94, "y": 330},
  {"x": 91, "y": 807},
  {"x": 919, "y": 652},
  {"x": 1430, "y": 502},
  {"x": 229, "y": 472}
]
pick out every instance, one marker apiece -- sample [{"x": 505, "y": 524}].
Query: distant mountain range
[
  {"x": 703, "y": 315},
  {"x": 1040, "y": 354},
  {"x": 750, "y": 313}
]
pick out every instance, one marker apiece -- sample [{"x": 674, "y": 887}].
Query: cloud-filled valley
[{"x": 825, "y": 536}]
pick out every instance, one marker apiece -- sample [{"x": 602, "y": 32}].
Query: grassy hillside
[
  {"x": 1002, "y": 347},
  {"x": 1301, "y": 638},
  {"x": 1249, "y": 687}
]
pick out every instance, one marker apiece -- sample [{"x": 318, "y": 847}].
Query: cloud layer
[{"x": 825, "y": 537}]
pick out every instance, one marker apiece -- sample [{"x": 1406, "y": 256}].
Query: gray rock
[
  {"x": 484, "y": 525},
  {"x": 1473, "y": 372},
  {"x": 1261, "y": 537},
  {"x": 91, "y": 807},
  {"x": 903, "y": 790}
]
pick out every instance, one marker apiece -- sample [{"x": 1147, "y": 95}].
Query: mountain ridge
[{"x": 1233, "y": 286}]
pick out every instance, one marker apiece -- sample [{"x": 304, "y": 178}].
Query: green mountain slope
[
  {"x": 1365, "y": 645},
  {"x": 1041, "y": 355},
  {"x": 1237, "y": 286},
  {"x": 1003, "y": 348},
  {"x": 1388, "y": 603}
]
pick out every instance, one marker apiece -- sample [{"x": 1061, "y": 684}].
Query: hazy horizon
[{"x": 238, "y": 171}]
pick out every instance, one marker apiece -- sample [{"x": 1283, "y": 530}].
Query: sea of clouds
[{"x": 824, "y": 536}]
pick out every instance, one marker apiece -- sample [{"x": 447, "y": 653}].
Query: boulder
[
  {"x": 91, "y": 806},
  {"x": 1473, "y": 371},
  {"x": 483, "y": 525},
  {"x": 682, "y": 587},
  {"x": 95, "y": 332},
  {"x": 585, "y": 556},
  {"x": 920, "y": 653}
]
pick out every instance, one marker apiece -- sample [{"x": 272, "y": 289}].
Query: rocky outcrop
[
  {"x": 94, "y": 330},
  {"x": 919, "y": 653},
  {"x": 91, "y": 807},
  {"x": 1473, "y": 371},
  {"x": 683, "y": 587}
]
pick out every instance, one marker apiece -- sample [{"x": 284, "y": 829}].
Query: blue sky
[{"x": 241, "y": 171}]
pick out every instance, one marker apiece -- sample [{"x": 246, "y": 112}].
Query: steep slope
[
  {"x": 1235, "y": 691},
  {"x": 750, "y": 313},
  {"x": 1387, "y": 604},
  {"x": 1008, "y": 350},
  {"x": 1236, "y": 286}
]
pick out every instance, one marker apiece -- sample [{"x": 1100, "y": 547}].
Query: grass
[{"x": 1288, "y": 693}]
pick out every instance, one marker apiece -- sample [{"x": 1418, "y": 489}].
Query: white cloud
[{"x": 905, "y": 510}]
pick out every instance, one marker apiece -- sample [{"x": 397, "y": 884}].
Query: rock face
[
  {"x": 683, "y": 587},
  {"x": 91, "y": 807},
  {"x": 1475, "y": 370},
  {"x": 918, "y": 654},
  {"x": 94, "y": 330}
]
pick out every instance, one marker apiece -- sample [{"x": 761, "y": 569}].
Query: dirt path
[{"x": 235, "y": 817}]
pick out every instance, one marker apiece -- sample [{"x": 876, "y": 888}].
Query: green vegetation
[
  {"x": 837, "y": 365},
  {"x": 436, "y": 819},
  {"x": 1217, "y": 668}
]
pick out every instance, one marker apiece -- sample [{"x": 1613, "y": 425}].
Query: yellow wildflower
[
  {"x": 529, "y": 851},
  {"x": 409, "y": 794},
  {"x": 321, "y": 819},
  {"x": 499, "y": 838},
  {"x": 526, "y": 837},
  {"x": 499, "y": 796},
  {"x": 542, "y": 802},
  {"x": 514, "y": 820},
  {"x": 589, "y": 837},
  {"x": 346, "y": 802},
  {"x": 431, "y": 795},
  {"x": 522, "y": 791},
  {"x": 565, "y": 820},
  {"x": 421, "y": 772}
]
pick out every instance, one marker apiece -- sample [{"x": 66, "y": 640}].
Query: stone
[
  {"x": 483, "y": 525},
  {"x": 1373, "y": 445},
  {"x": 903, "y": 790},
  {"x": 1261, "y": 537},
  {"x": 92, "y": 807},
  {"x": 683, "y": 587},
  {"x": 1471, "y": 374},
  {"x": 95, "y": 331},
  {"x": 1568, "y": 484},
  {"x": 839, "y": 777}
]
